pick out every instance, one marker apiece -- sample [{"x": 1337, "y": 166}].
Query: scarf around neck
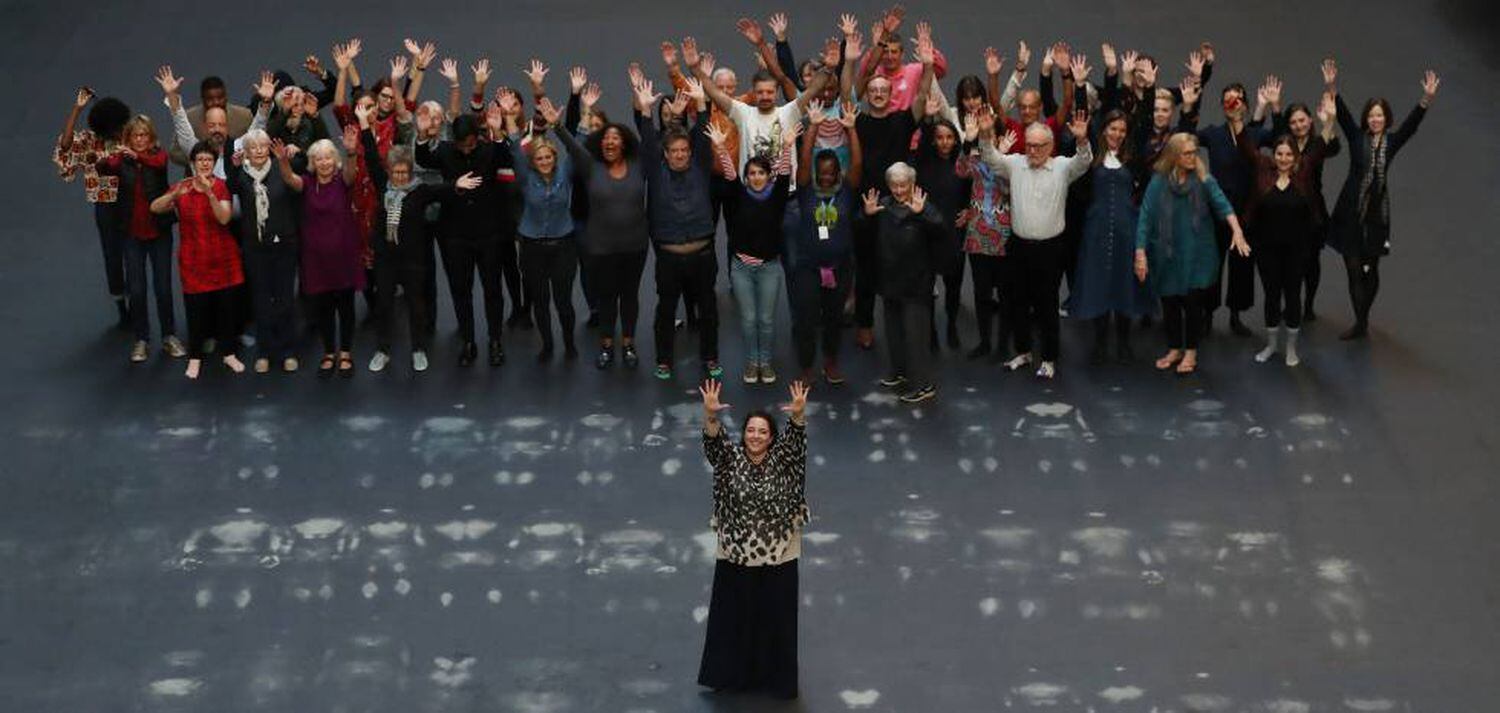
[
  {"x": 262, "y": 197},
  {"x": 1190, "y": 188},
  {"x": 394, "y": 197}
]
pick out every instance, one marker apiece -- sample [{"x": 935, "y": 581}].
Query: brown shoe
[
  {"x": 831, "y": 373},
  {"x": 864, "y": 337}
]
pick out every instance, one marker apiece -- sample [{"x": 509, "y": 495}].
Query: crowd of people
[{"x": 852, "y": 175}]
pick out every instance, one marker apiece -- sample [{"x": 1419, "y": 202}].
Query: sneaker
[
  {"x": 419, "y": 361},
  {"x": 262, "y": 365},
  {"x": 379, "y": 361},
  {"x": 173, "y": 347},
  {"x": 917, "y": 396},
  {"x": 831, "y": 373},
  {"x": 606, "y": 357},
  {"x": 628, "y": 355},
  {"x": 1018, "y": 361},
  {"x": 713, "y": 370},
  {"x": 138, "y": 352},
  {"x": 752, "y": 374},
  {"x": 247, "y": 340},
  {"x": 289, "y": 364},
  {"x": 663, "y": 372},
  {"x": 1046, "y": 371},
  {"x": 767, "y": 374},
  {"x": 894, "y": 381}
]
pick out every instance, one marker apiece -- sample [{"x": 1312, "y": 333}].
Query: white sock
[
  {"x": 1291, "y": 348},
  {"x": 1265, "y": 355}
]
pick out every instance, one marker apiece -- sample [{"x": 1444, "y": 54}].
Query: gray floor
[{"x": 535, "y": 538}]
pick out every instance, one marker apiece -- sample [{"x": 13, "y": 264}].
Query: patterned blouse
[
  {"x": 759, "y": 510},
  {"x": 986, "y": 221},
  {"x": 83, "y": 156}
]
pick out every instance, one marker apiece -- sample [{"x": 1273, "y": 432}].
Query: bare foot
[
  {"x": 1169, "y": 359},
  {"x": 194, "y": 365},
  {"x": 234, "y": 364}
]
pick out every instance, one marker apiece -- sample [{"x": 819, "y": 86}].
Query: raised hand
[
  {"x": 993, "y": 62},
  {"x": 710, "y": 392},
  {"x": 1080, "y": 68},
  {"x": 645, "y": 96},
  {"x": 690, "y": 52},
  {"x": 1273, "y": 90},
  {"x": 790, "y": 133},
  {"x": 848, "y": 114},
  {"x": 313, "y": 65},
  {"x": 815, "y": 112},
  {"x": 340, "y": 57},
  {"x": 677, "y": 106},
  {"x": 278, "y": 149},
  {"x": 971, "y": 127},
  {"x": 872, "y": 202},
  {"x": 848, "y": 24},
  {"x": 351, "y": 50},
  {"x": 716, "y": 135},
  {"x": 494, "y": 119},
  {"x": 1327, "y": 110},
  {"x": 1148, "y": 73},
  {"x": 924, "y": 31},
  {"x": 798, "y": 407},
  {"x": 351, "y": 139},
  {"x": 1191, "y": 90},
  {"x": 1330, "y": 73},
  {"x": 399, "y": 65},
  {"x": 507, "y": 101},
  {"x": 1080, "y": 126},
  {"x": 1194, "y": 63},
  {"x": 362, "y": 112},
  {"x": 831, "y": 52},
  {"x": 1023, "y": 57},
  {"x": 750, "y": 29},
  {"x": 468, "y": 181},
  {"x": 925, "y": 53},
  {"x": 1127, "y": 61},
  {"x": 84, "y": 96},
  {"x": 591, "y": 95},
  {"x": 449, "y": 70},
  {"x": 668, "y": 54},
  {"x": 1206, "y": 49},
  {"x": 1062, "y": 56},
  {"x": 706, "y": 63},
  {"x": 634, "y": 73},
  {"x": 169, "y": 82},
  {"x": 778, "y": 24},
  {"x": 893, "y": 17},
  {"x": 853, "y": 46},
  {"x": 693, "y": 89},
  {"x": 266, "y": 87},
  {"x": 481, "y": 70},
  {"x": 548, "y": 112},
  {"x": 424, "y": 58},
  {"x": 537, "y": 72},
  {"x": 918, "y": 199},
  {"x": 1111, "y": 61},
  {"x": 984, "y": 121},
  {"x": 1008, "y": 140},
  {"x": 411, "y": 46},
  {"x": 1430, "y": 83}
]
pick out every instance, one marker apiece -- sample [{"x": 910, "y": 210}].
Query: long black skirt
[{"x": 752, "y": 630}]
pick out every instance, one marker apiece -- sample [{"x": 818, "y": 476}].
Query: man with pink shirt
[{"x": 884, "y": 59}]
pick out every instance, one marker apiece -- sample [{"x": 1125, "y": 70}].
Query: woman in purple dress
[{"x": 331, "y": 266}]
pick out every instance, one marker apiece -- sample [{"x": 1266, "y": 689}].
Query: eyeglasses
[{"x": 1030, "y": 145}]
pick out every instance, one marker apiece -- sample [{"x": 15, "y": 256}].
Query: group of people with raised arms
[{"x": 850, "y": 176}]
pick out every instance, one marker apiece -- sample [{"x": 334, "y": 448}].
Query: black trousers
[
  {"x": 817, "y": 312},
  {"x": 548, "y": 266},
  {"x": 511, "y": 271},
  {"x": 953, "y": 289},
  {"x": 157, "y": 254},
  {"x": 616, "y": 281},
  {"x": 213, "y": 315},
  {"x": 411, "y": 274},
  {"x": 908, "y": 323},
  {"x": 751, "y": 644},
  {"x": 333, "y": 312},
  {"x": 866, "y": 282},
  {"x": 1235, "y": 286},
  {"x": 1182, "y": 317},
  {"x": 112, "y": 244},
  {"x": 1037, "y": 269},
  {"x": 430, "y": 268},
  {"x": 461, "y": 258},
  {"x": 1313, "y": 275},
  {"x": 1364, "y": 284},
  {"x": 1282, "y": 267},
  {"x": 271, "y": 269},
  {"x": 679, "y": 275},
  {"x": 990, "y": 296}
]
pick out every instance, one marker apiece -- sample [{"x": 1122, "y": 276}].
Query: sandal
[
  {"x": 1188, "y": 365},
  {"x": 1169, "y": 360},
  {"x": 325, "y": 366},
  {"x": 346, "y": 365}
]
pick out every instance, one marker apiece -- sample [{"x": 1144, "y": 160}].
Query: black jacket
[
  {"x": 411, "y": 248},
  {"x": 906, "y": 249},
  {"x": 480, "y": 214}
]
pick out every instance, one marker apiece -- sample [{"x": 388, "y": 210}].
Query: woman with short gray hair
[{"x": 268, "y": 235}]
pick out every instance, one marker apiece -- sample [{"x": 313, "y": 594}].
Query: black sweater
[
  {"x": 754, "y": 224},
  {"x": 906, "y": 244}
]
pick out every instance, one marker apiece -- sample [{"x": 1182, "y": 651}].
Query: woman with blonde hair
[
  {"x": 1175, "y": 245},
  {"x": 139, "y": 165}
]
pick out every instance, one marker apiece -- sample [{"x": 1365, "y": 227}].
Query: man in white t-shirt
[{"x": 761, "y": 124}]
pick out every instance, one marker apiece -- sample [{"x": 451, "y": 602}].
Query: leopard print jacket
[{"x": 759, "y": 509}]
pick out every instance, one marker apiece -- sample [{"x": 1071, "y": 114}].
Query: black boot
[
  {"x": 497, "y": 353},
  {"x": 1236, "y": 326},
  {"x": 1100, "y": 353},
  {"x": 1123, "y": 353},
  {"x": 122, "y": 307},
  {"x": 468, "y": 354}
]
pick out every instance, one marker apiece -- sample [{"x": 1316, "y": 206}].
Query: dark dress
[
  {"x": 332, "y": 251},
  {"x": 1106, "y": 279},
  {"x": 1365, "y": 236}
]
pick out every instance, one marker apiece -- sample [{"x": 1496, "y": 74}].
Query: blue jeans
[
  {"x": 157, "y": 255},
  {"x": 756, "y": 289}
]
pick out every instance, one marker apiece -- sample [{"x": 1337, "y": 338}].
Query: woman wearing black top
[
  {"x": 1361, "y": 227},
  {"x": 1315, "y": 150},
  {"x": 754, "y": 210},
  {"x": 268, "y": 231},
  {"x": 936, "y": 161},
  {"x": 758, "y": 514},
  {"x": 911, "y": 240}
]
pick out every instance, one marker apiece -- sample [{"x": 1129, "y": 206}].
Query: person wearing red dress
[{"x": 208, "y": 258}]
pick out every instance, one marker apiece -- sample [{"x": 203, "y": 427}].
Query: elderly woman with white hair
[
  {"x": 911, "y": 237},
  {"x": 268, "y": 234},
  {"x": 1038, "y": 192},
  {"x": 331, "y": 253}
]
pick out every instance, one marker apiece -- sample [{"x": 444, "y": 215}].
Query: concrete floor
[{"x": 535, "y": 538}]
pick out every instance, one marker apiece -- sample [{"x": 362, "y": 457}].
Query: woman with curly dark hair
[{"x": 79, "y": 151}]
